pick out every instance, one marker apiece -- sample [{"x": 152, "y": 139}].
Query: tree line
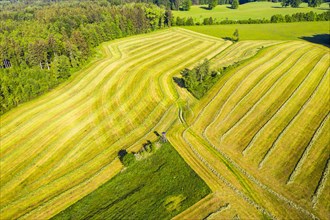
[
  {"x": 296, "y": 17},
  {"x": 41, "y": 46}
]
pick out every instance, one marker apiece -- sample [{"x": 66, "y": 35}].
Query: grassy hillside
[
  {"x": 311, "y": 31},
  {"x": 61, "y": 146},
  {"x": 252, "y": 10},
  {"x": 258, "y": 138},
  {"x": 159, "y": 186}
]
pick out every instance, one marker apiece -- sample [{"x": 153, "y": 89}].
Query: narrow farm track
[{"x": 62, "y": 146}]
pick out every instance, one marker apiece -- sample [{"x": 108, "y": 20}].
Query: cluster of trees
[
  {"x": 41, "y": 46},
  {"x": 201, "y": 78},
  {"x": 296, "y": 3},
  {"x": 297, "y": 17}
]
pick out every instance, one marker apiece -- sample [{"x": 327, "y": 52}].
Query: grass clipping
[{"x": 158, "y": 186}]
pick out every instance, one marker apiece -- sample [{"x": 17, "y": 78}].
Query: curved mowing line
[
  {"x": 225, "y": 181},
  {"x": 306, "y": 151},
  {"x": 169, "y": 68},
  {"x": 271, "y": 149},
  {"x": 77, "y": 85},
  {"x": 281, "y": 197},
  {"x": 249, "y": 66},
  {"x": 200, "y": 114},
  {"x": 263, "y": 186},
  {"x": 256, "y": 136},
  {"x": 88, "y": 81},
  {"x": 199, "y": 35},
  {"x": 119, "y": 139},
  {"x": 87, "y": 164},
  {"x": 33, "y": 214},
  {"x": 321, "y": 184},
  {"x": 239, "y": 50},
  {"x": 266, "y": 80},
  {"x": 154, "y": 126},
  {"x": 53, "y": 96},
  {"x": 82, "y": 101},
  {"x": 226, "y": 133},
  {"x": 261, "y": 79}
]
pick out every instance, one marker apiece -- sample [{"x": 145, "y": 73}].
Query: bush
[{"x": 126, "y": 159}]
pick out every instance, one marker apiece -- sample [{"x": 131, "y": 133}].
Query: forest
[
  {"x": 43, "y": 42},
  {"x": 41, "y": 45}
]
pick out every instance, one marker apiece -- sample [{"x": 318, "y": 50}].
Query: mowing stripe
[
  {"x": 320, "y": 186},
  {"x": 292, "y": 120},
  {"x": 302, "y": 159}
]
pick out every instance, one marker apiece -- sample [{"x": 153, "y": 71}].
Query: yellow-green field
[
  {"x": 253, "y": 10},
  {"x": 259, "y": 138}
]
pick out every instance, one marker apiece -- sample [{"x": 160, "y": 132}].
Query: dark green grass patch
[{"x": 159, "y": 186}]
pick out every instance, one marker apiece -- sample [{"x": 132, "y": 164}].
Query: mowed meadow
[{"x": 259, "y": 138}]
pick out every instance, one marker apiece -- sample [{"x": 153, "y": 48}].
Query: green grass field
[
  {"x": 259, "y": 138},
  {"x": 159, "y": 186},
  {"x": 253, "y": 10},
  {"x": 281, "y": 31}
]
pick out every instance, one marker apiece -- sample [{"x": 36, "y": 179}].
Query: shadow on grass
[
  {"x": 179, "y": 82},
  {"x": 323, "y": 39},
  {"x": 205, "y": 8}
]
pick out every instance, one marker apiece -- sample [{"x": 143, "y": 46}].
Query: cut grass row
[
  {"x": 120, "y": 100},
  {"x": 315, "y": 69},
  {"x": 78, "y": 135}
]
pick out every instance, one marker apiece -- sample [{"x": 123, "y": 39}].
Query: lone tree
[
  {"x": 212, "y": 4},
  {"x": 186, "y": 4},
  {"x": 236, "y": 35},
  {"x": 234, "y": 4}
]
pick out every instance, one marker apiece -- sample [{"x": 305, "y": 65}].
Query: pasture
[
  {"x": 253, "y": 10},
  {"x": 159, "y": 186},
  {"x": 259, "y": 138},
  {"x": 311, "y": 31}
]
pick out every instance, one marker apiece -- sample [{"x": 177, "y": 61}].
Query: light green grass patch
[
  {"x": 253, "y": 10},
  {"x": 279, "y": 31}
]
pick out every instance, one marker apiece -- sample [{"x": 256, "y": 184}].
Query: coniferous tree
[
  {"x": 234, "y": 4},
  {"x": 186, "y": 4},
  {"x": 212, "y": 4}
]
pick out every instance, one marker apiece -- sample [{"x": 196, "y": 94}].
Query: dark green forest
[{"x": 42, "y": 44}]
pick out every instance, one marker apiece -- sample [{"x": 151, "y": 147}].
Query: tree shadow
[
  {"x": 229, "y": 7},
  {"x": 205, "y": 8},
  {"x": 122, "y": 153},
  {"x": 323, "y": 39},
  {"x": 179, "y": 82}
]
